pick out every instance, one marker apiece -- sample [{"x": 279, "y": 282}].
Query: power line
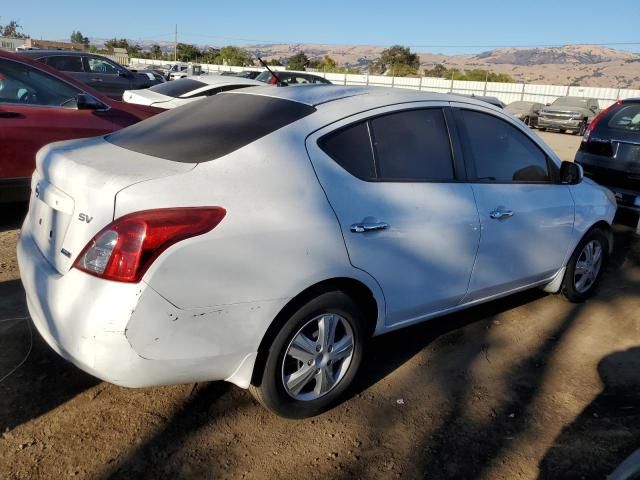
[{"x": 548, "y": 45}]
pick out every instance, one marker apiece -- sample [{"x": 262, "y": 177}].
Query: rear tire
[
  {"x": 585, "y": 266},
  {"x": 583, "y": 128},
  {"x": 306, "y": 372},
  {"x": 542, "y": 129}
]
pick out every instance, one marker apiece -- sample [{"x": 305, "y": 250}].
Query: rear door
[
  {"x": 526, "y": 215},
  {"x": 107, "y": 77},
  {"x": 406, "y": 216}
]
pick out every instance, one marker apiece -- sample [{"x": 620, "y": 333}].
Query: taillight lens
[
  {"x": 126, "y": 248},
  {"x": 591, "y": 127}
]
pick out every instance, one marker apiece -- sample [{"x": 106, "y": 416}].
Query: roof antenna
[{"x": 279, "y": 82}]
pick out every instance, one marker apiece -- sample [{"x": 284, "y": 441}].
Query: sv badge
[{"x": 83, "y": 217}]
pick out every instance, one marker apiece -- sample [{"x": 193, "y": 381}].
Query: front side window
[
  {"x": 23, "y": 84},
  {"x": 500, "y": 152},
  {"x": 65, "y": 63},
  {"x": 98, "y": 65}
]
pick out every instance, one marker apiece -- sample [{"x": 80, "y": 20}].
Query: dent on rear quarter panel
[{"x": 279, "y": 236}]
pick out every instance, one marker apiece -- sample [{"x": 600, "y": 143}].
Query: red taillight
[
  {"x": 591, "y": 127},
  {"x": 126, "y": 248}
]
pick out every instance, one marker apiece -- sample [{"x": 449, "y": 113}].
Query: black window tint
[
  {"x": 176, "y": 88},
  {"x": 413, "y": 145},
  {"x": 210, "y": 128},
  {"x": 351, "y": 149},
  {"x": 501, "y": 152},
  {"x": 65, "y": 63},
  {"x": 627, "y": 118}
]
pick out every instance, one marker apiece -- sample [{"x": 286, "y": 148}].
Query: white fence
[{"x": 507, "y": 92}]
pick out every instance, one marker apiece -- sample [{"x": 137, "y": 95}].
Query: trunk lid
[{"x": 74, "y": 189}]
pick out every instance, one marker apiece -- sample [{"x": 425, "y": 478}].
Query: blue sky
[{"x": 426, "y": 25}]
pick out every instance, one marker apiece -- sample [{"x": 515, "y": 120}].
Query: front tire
[
  {"x": 585, "y": 266},
  {"x": 314, "y": 358}
]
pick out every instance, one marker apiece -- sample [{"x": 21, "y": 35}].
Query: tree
[
  {"x": 274, "y": 62},
  {"x": 116, "y": 43},
  {"x": 297, "y": 61},
  {"x": 11, "y": 30},
  {"x": 77, "y": 37},
  {"x": 156, "y": 51},
  {"x": 439, "y": 71},
  {"x": 477, "y": 75},
  {"x": 187, "y": 52},
  {"x": 396, "y": 60},
  {"x": 235, "y": 56},
  {"x": 327, "y": 64}
]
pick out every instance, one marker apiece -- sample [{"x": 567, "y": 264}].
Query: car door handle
[
  {"x": 9, "y": 114},
  {"x": 499, "y": 214},
  {"x": 368, "y": 227},
  {"x": 95, "y": 80}
]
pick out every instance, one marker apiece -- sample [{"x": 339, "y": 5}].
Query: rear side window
[
  {"x": 65, "y": 63},
  {"x": 626, "y": 118},
  {"x": 177, "y": 88},
  {"x": 413, "y": 145},
  {"x": 210, "y": 128},
  {"x": 351, "y": 149},
  {"x": 501, "y": 152}
]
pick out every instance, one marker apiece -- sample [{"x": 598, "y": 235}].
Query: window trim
[
  {"x": 459, "y": 175},
  {"x": 469, "y": 161}
]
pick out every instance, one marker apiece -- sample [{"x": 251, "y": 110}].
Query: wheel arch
[{"x": 356, "y": 289}]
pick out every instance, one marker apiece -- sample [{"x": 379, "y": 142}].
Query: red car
[{"x": 40, "y": 105}]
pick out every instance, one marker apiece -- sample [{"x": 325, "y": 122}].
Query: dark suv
[
  {"x": 97, "y": 71},
  {"x": 610, "y": 151}
]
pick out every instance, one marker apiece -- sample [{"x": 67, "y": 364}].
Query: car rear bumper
[
  {"x": 88, "y": 321},
  {"x": 625, "y": 188},
  {"x": 561, "y": 124}
]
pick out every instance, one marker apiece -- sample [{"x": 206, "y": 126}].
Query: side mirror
[
  {"x": 571, "y": 173},
  {"x": 124, "y": 74},
  {"x": 84, "y": 101}
]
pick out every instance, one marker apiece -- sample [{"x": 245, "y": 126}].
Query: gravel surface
[{"x": 526, "y": 387}]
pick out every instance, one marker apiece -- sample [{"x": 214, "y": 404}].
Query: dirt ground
[{"x": 526, "y": 387}]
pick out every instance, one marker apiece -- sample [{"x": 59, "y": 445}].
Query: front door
[
  {"x": 406, "y": 218},
  {"x": 526, "y": 215}
]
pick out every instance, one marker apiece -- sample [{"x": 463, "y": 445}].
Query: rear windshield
[
  {"x": 627, "y": 118},
  {"x": 211, "y": 128},
  {"x": 177, "y": 88},
  {"x": 571, "y": 102}
]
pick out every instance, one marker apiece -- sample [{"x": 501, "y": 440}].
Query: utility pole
[{"x": 175, "y": 45}]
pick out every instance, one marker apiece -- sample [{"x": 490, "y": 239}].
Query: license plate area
[{"x": 50, "y": 217}]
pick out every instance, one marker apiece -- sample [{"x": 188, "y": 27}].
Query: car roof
[
  {"x": 315, "y": 95},
  {"x": 48, "y": 52},
  {"x": 224, "y": 80}
]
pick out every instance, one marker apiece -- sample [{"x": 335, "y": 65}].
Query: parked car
[
  {"x": 40, "y": 105},
  {"x": 174, "y": 68},
  {"x": 525, "y": 111},
  {"x": 250, "y": 74},
  {"x": 185, "y": 90},
  {"x": 610, "y": 152},
  {"x": 191, "y": 71},
  {"x": 569, "y": 114},
  {"x": 261, "y": 236},
  {"x": 97, "y": 71},
  {"x": 291, "y": 78}
]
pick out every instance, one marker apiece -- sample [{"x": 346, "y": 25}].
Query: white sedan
[
  {"x": 185, "y": 90},
  {"x": 263, "y": 235}
]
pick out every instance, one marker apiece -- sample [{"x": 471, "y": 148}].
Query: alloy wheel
[
  {"x": 588, "y": 266},
  {"x": 317, "y": 357}
]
